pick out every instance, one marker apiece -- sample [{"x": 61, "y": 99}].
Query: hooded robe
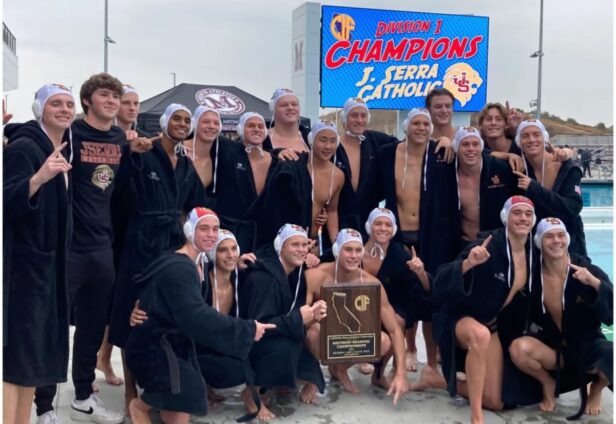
[
  {"x": 268, "y": 295},
  {"x": 36, "y": 237},
  {"x": 480, "y": 293},
  {"x": 161, "y": 351},
  {"x": 149, "y": 200}
]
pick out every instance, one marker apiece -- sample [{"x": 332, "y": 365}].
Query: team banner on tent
[{"x": 392, "y": 59}]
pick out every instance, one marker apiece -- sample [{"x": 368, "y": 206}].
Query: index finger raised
[
  {"x": 486, "y": 241},
  {"x": 413, "y": 253}
]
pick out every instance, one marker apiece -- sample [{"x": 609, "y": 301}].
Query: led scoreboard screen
[{"x": 392, "y": 59}]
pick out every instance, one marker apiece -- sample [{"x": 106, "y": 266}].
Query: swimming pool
[
  {"x": 598, "y": 195},
  {"x": 599, "y": 232}
]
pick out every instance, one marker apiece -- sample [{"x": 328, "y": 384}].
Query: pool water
[
  {"x": 598, "y": 195},
  {"x": 599, "y": 232}
]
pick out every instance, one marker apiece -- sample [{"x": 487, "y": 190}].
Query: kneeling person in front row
[
  {"x": 161, "y": 352},
  {"x": 570, "y": 299},
  {"x": 484, "y": 309},
  {"x": 275, "y": 292},
  {"x": 348, "y": 251}
]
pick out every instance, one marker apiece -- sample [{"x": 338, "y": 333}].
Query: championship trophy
[{"x": 351, "y": 331}]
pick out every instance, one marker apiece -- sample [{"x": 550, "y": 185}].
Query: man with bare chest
[
  {"x": 244, "y": 172},
  {"x": 485, "y": 307},
  {"x": 356, "y": 156},
  {"x": 484, "y": 184},
  {"x": 348, "y": 251},
  {"x": 327, "y": 181},
  {"x": 420, "y": 190},
  {"x": 570, "y": 300},
  {"x": 555, "y": 187},
  {"x": 204, "y": 148}
]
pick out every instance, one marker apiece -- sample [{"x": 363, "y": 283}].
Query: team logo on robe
[
  {"x": 495, "y": 180},
  {"x": 153, "y": 176},
  {"x": 224, "y": 102},
  {"x": 500, "y": 276},
  {"x": 102, "y": 177},
  {"x": 463, "y": 82},
  {"x": 240, "y": 166},
  {"x": 578, "y": 190}
]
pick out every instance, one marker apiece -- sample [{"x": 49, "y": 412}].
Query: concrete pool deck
[{"x": 338, "y": 407}]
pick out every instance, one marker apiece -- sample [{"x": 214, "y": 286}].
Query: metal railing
[{"x": 8, "y": 38}]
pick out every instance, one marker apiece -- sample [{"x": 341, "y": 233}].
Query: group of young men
[{"x": 205, "y": 256}]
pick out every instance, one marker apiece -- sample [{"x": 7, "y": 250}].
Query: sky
[{"x": 248, "y": 44}]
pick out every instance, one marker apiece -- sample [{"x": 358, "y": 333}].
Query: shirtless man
[
  {"x": 484, "y": 184},
  {"x": 420, "y": 190},
  {"x": 484, "y": 309},
  {"x": 288, "y": 132},
  {"x": 569, "y": 301},
  {"x": 327, "y": 179},
  {"x": 554, "y": 186},
  {"x": 356, "y": 156},
  {"x": 348, "y": 251},
  {"x": 207, "y": 129}
]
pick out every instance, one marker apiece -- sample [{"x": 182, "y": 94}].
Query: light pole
[
  {"x": 173, "y": 73},
  {"x": 107, "y": 40},
  {"x": 539, "y": 54}
]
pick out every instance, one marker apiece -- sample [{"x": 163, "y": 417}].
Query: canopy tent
[{"x": 230, "y": 101}]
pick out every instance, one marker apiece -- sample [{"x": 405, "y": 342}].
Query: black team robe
[
  {"x": 286, "y": 199},
  {"x": 267, "y": 143},
  {"x": 255, "y": 220},
  {"x": 564, "y": 201},
  {"x": 403, "y": 288},
  {"x": 438, "y": 219},
  {"x": 355, "y": 206},
  {"x": 580, "y": 340},
  {"x": 149, "y": 199},
  {"x": 36, "y": 236},
  {"x": 161, "y": 351},
  {"x": 497, "y": 183},
  {"x": 281, "y": 357},
  {"x": 219, "y": 370},
  {"x": 481, "y": 294}
]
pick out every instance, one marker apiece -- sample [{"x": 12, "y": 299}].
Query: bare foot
[
  {"x": 411, "y": 361},
  {"x": 430, "y": 379},
  {"x": 95, "y": 388},
  {"x": 549, "y": 402},
  {"x": 213, "y": 397},
  {"x": 365, "y": 368},
  {"x": 382, "y": 381},
  {"x": 264, "y": 413},
  {"x": 344, "y": 379},
  {"x": 107, "y": 369},
  {"x": 139, "y": 412},
  {"x": 308, "y": 394},
  {"x": 593, "y": 405},
  {"x": 127, "y": 401}
]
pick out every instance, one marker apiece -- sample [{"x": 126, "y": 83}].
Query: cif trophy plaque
[{"x": 351, "y": 331}]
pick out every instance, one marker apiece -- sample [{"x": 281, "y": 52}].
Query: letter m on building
[{"x": 298, "y": 65}]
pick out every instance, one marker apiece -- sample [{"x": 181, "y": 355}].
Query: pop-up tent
[{"x": 230, "y": 101}]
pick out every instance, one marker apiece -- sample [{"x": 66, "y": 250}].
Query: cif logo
[
  {"x": 361, "y": 302},
  {"x": 341, "y": 26}
]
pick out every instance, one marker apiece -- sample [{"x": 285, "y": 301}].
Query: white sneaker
[
  {"x": 48, "y": 417},
  {"x": 94, "y": 409}
]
